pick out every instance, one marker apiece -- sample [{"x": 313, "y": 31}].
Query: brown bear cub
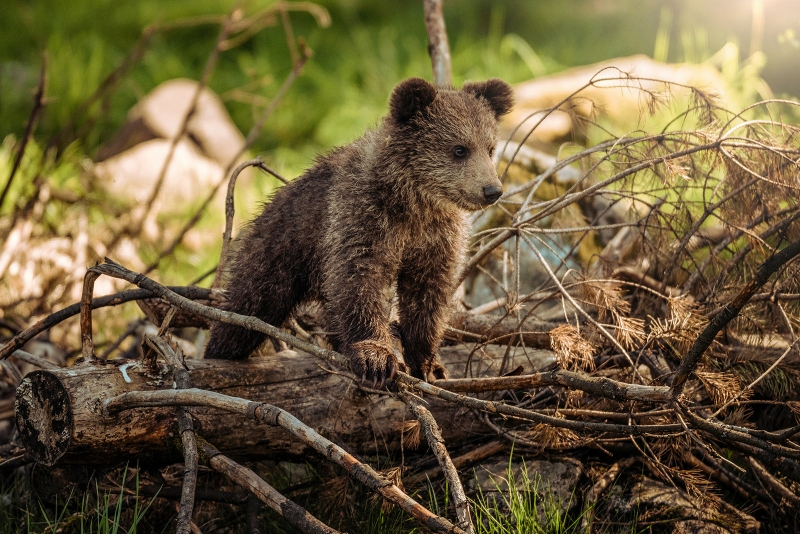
[{"x": 389, "y": 208}]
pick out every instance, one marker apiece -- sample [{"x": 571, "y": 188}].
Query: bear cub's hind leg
[{"x": 423, "y": 290}]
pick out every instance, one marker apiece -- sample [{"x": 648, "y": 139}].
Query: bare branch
[
  {"x": 731, "y": 310},
  {"x": 185, "y": 428},
  {"x": 229, "y": 213},
  {"x": 438, "y": 47},
  {"x": 600, "y": 386},
  {"x": 434, "y": 437},
  {"x": 59, "y": 316},
  {"x": 773, "y": 482},
  {"x": 87, "y": 345},
  {"x": 33, "y": 118},
  {"x": 246, "y": 478}
]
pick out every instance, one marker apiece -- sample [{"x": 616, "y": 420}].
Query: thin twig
[
  {"x": 185, "y": 428},
  {"x": 438, "y": 47},
  {"x": 229, "y": 213},
  {"x": 243, "y": 476},
  {"x": 72, "y": 310},
  {"x": 715, "y": 470},
  {"x": 752, "y": 384},
  {"x": 594, "y": 492},
  {"x": 32, "y": 359},
  {"x": 773, "y": 482},
  {"x": 33, "y": 119},
  {"x": 728, "y": 313},
  {"x": 433, "y": 435},
  {"x": 87, "y": 344}
]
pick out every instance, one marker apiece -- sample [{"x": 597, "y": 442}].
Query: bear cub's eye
[
  {"x": 491, "y": 151},
  {"x": 460, "y": 151}
]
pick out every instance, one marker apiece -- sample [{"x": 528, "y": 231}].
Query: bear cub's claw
[
  {"x": 375, "y": 361},
  {"x": 437, "y": 372},
  {"x": 430, "y": 371}
]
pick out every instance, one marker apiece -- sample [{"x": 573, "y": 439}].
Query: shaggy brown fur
[{"x": 388, "y": 208}]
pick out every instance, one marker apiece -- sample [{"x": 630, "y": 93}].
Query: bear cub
[{"x": 388, "y": 209}]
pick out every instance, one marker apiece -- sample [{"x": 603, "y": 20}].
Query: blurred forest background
[{"x": 367, "y": 48}]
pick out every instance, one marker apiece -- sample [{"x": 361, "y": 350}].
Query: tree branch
[
  {"x": 438, "y": 47},
  {"x": 246, "y": 478},
  {"x": 33, "y": 118}
]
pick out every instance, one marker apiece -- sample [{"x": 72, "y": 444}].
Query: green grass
[
  {"x": 526, "y": 507},
  {"x": 366, "y": 50},
  {"x": 92, "y": 512}
]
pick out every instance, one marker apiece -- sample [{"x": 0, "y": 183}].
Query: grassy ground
[{"x": 526, "y": 508}]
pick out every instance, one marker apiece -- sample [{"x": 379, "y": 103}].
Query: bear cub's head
[{"x": 447, "y": 138}]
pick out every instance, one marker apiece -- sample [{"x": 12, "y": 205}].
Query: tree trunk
[{"x": 60, "y": 412}]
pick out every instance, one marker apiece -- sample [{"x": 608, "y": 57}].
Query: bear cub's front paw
[{"x": 373, "y": 360}]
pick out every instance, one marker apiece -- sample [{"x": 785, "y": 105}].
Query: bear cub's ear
[
  {"x": 409, "y": 97},
  {"x": 497, "y": 93}
]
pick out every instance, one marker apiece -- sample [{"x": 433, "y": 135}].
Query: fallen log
[
  {"x": 486, "y": 328},
  {"x": 463, "y": 326},
  {"x": 61, "y": 419}
]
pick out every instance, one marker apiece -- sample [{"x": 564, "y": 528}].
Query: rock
[
  {"x": 621, "y": 103},
  {"x": 551, "y": 480},
  {"x": 652, "y": 500},
  {"x": 133, "y": 174},
  {"x": 656, "y": 493},
  {"x": 160, "y": 114},
  {"x": 130, "y": 164}
]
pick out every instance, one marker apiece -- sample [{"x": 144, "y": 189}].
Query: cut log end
[{"x": 44, "y": 417}]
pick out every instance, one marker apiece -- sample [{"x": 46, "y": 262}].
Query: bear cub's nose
[{"x": 492, "y": 192}]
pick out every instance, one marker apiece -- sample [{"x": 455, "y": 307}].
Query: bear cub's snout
[{"x": 491, "y": 193}]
